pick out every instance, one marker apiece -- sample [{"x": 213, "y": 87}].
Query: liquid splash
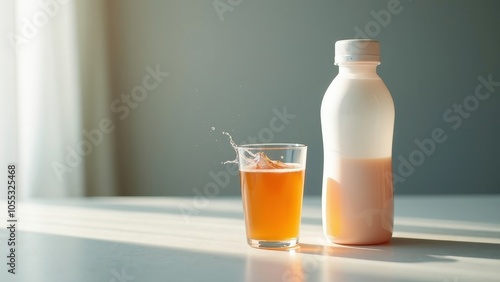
[
  {"x": 235, "y": 148},
  {"x": 259, "y": 160}
]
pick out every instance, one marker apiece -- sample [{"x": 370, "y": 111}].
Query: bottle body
[{"x": 357, "y": 121}]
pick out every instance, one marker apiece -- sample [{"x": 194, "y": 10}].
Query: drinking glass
[{"x": 272, "y": 186}]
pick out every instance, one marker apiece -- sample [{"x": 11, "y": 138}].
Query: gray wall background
[{"x": 231, "y": 71}]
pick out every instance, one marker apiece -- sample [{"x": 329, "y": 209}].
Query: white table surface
[{"x": 437, "y": 238}]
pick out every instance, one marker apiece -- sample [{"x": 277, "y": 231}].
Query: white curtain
[{"x": 62, "y": 92}]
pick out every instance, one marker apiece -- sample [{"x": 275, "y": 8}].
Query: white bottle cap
[{"x": 355, "y": 50}]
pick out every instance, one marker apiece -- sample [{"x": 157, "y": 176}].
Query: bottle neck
[{"x": 359, "y": 69}]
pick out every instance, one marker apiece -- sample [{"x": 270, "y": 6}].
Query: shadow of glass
[{"x": 408, "y": 250}]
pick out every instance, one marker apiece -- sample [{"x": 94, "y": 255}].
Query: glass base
[{"x": 265, "y": 244}]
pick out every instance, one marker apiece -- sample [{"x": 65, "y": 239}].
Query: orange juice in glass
[{"x": 272, "y": 185}]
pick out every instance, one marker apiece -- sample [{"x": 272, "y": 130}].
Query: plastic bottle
[{"x": 357, "y": 121}]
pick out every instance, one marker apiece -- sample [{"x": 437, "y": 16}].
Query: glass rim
[{"x": 272, "y": 146}]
